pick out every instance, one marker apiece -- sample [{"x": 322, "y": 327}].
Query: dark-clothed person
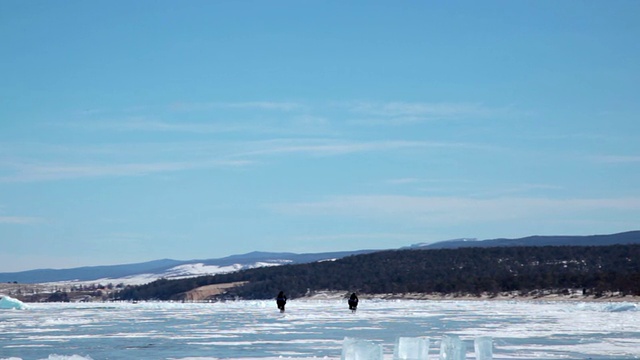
[
  {"x": 281, "y": 300},
  {"x": 353, "y": 302}
]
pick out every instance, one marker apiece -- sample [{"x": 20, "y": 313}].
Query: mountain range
[{"x": 145, "y": 272}]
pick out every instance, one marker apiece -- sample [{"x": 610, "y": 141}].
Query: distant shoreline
[
  {"x": 334, "y": 295},
  {"x": 21, "y": 291}
]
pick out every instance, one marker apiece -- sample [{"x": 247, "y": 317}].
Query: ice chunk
[
  {"x": 7, "y": 302},
  {"x": 452, "y": 348},
  {"x": 619, "y": 307},
  {"x": 483, "y": 347},
  {"x": 411, "y": 348},
  {"x": 357, "y": 349}
]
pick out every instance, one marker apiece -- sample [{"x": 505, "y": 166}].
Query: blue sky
[{"x": 134, "y": 131}]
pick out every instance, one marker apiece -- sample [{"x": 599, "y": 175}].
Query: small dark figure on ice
[
  {"x": 281, "y": 300},
  {"x": 353, "y": 302}
]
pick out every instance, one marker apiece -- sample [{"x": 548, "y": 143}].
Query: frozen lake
[{"x": 315, "y": 329}]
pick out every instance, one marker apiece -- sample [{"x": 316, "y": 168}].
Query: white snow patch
[{"x": 176, "y": 272}]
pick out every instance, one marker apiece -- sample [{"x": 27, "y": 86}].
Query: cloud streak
[
  {"x": 46, "y": 162},
  {"x": 50, "y": 172},
  {"x": 410, "y": 112},
  {"x": 617, "y": 159},
  {"x": 453, "y": 210},
  {"x": 115, "y": 161},
  {"x": 328, "y": 147},
  {"x": 19, "y": 220},
  {"x": 246, "y": 105},
  {"x": 226, "y": 113},
  {"x": 146, "y": 125}
]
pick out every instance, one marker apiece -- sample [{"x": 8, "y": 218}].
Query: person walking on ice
[
  {"x": 281, "y": 300},
  {"x": 353, "y": 302}
]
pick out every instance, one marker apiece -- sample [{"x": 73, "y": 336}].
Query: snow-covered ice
[{"x": 313, "y": 329}]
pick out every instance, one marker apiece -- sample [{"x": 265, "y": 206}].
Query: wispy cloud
[
  {"x": 251, "y": 105},
  {"x": 617, "y": 159},
  {"x": 48, "y": 171},
  {"x": 403, "y": 181},
  {"x": 516, "y": 189},
  {"x": 19, "y": 220},
  {"x": 571, "y": 136},
  {"x": 146, "y": 125},
  {"x": 411, "y": 112},
  {"x": 453, "y": 210},
  {"x": 28, "y": 162},
  {"x": 327, "y": 147},
  {"x": 361, "y": 236},
  {"x": 415, "y": 180},
  {"x": 431, "y": 185},
  {"x": 271, "y": 117},
  {"x": 288, "y": 125}
]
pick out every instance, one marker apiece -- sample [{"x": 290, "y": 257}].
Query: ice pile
[
  {"x": 619, "y": 307},
  {"x": 411, "y": 348},
  {"x": 357, "y": 349},
  {"x": 483, "y": 347},
  {"x": 7, "y": 302},
  {"x": 417, "y": 348},
  {"x": 452, "y": 348}
]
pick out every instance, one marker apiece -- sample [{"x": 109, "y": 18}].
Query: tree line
[{"x": 471, "y": 271}]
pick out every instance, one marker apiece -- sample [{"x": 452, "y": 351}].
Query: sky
[{"x": 136, "y": 131}]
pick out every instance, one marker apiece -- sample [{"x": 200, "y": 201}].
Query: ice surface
[
  {"x": 56, "y": 357},
  {"x": 411, "y": 348},
  {"x": 358, "y": 349},
  {"x": 7, "y": 302},
  {"x": 315, "y": 329},
  {"x": 452, "y": 348},
  {"x": 483, "y": 347}
]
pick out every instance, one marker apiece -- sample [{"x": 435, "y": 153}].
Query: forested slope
[{"x": 595, "y": 269}]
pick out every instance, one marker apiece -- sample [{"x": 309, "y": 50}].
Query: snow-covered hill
[
  {"x": 186, "y": 271},
  {"x": 141, "y": 273}
]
